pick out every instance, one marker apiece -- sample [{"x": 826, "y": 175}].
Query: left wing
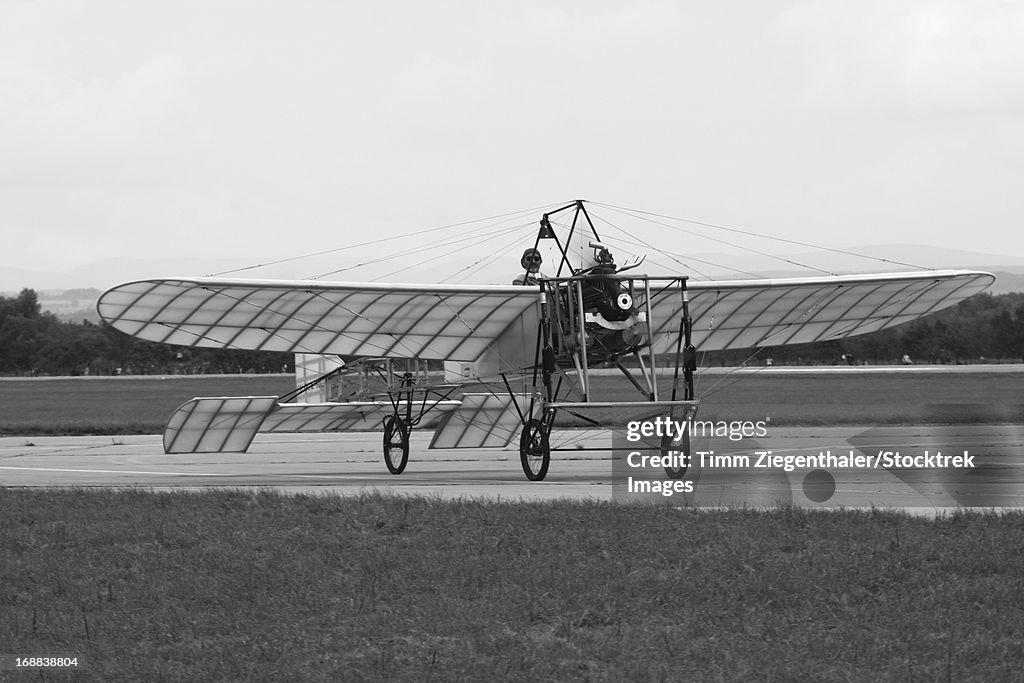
[{"x": 751, "y": 313}]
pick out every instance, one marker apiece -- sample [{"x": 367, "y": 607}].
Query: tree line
[
  {"x": 983, "y": 328},
  {"x": 36, "y": 342}
]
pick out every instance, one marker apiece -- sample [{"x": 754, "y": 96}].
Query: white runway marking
[
  {"x": 137, "y": 472},
  {"x": 351, "y": 463}
]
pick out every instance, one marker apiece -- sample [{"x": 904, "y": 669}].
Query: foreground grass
[
  {"x": 242, "y": 586},
  {"x": 142, "y": 405}
]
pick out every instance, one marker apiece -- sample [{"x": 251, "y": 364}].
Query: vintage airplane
[{"x": 529, "y": 348}]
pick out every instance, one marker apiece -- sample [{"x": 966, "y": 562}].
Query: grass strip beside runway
[
  {"x": 142, "y": 405},
  {"x": 242, "y": 586},
  {"x": 116, "y": 405}
]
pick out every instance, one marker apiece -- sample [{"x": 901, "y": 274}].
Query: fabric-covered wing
[
  {"x": 409, "y": 321},
  {"x": 752, "y": 313},
  {"x": 468, "y": 323}
]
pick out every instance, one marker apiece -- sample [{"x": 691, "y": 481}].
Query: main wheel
[
  {"x": 534, "y": 450},
  {"x": 396, "y": 444},
  {"x": 683, "y": 446}
]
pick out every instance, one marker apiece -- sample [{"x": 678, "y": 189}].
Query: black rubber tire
[
  {"x": 534, "y": 450},
  {"x": 683, "y": 446},
  {"x": 396, "y": 444}
]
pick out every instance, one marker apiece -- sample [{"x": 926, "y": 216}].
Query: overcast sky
[{"x": 281, "y": 128}]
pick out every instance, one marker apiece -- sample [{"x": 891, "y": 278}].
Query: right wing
[{"x": 434, "y": 322}]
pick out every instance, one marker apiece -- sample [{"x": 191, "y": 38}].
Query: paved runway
[
  {"x": 338, "y": 463},
  {"x": 351, "y": 463}
]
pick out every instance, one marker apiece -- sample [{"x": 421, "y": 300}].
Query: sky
[{"x": 271, "y": 129}]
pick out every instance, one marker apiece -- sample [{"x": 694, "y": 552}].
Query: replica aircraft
[{"x": 532, "y": 346}]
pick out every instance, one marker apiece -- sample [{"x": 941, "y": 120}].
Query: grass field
[
  {"x": 116, "y": 405},
  {"x": 243, "y": 586},
  {"x": 142, "y": 405},
  {"x": 865, "y": 398}
]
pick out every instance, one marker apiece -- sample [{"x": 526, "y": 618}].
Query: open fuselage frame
[
  {"x": 596, "y": 317},
  {"x": 592, "y": 317}
]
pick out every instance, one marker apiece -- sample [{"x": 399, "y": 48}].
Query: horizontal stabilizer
[
  {"x": 228, "y": 424},
  {"x": 340, "y": 417},
  {"x": 482, "y": 421},
  {"x": 216, "y": 425}
]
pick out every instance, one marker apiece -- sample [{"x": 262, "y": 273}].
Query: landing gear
[
  {"x": 534, "y": 449},
  {"x": 396, "y": 444},
  {"x": 682, "y": 448}
]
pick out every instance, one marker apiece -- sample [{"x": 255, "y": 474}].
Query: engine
[{"x": 612, "y": 323}]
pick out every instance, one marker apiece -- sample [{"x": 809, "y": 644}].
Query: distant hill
[
  {"x": 859, "y": 259},
  {"x": 1007, "y": 282},
  {"x": 70, "y": 305},
  {"x": 480, "y": 269},
  {"x": 109, "y": 272}
]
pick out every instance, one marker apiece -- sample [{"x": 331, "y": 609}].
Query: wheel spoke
[
  {"x": 534, "y": 450},
  {"x": 396, "y": 444},
  {"x": 683, "y": 448}
]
